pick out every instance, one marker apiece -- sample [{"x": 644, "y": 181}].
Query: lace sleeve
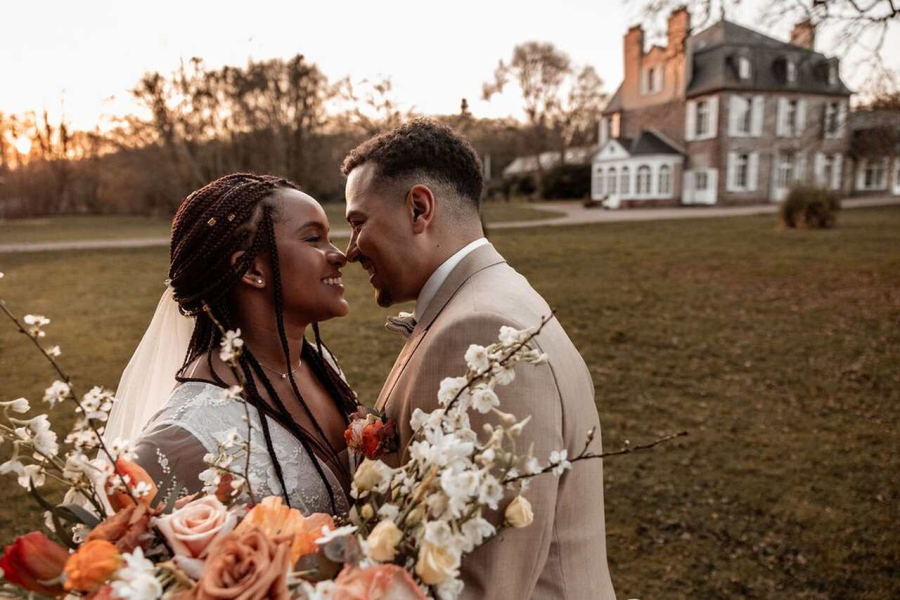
[{"x": 168, "y": 449}]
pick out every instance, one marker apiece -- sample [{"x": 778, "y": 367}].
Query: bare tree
[
  {"x": 540, "y": 70},
  {"x": 575, "y": 117}
]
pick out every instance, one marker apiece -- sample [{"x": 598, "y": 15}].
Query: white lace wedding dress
[{"x": 198, "y": 417}]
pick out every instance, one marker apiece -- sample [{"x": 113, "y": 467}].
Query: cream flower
[
  {"x": 371, "y": 475},
  {"x": 437, "y": 563},
  {"x": 383, "y": 541},
  {"x": 519, "y": 513}
]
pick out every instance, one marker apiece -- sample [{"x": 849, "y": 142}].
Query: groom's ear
[
  {"x": 254, "y": 277},
  {"x": 420, "y": 205}
]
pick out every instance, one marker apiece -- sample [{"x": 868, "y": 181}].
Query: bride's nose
[{"x": 336, "y": 257}]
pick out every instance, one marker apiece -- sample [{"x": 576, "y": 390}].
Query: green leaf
[
  {"x": 169, "y": 481},
  {"x": 82, "y": 515},
  {"x": 173, "y": 497}
]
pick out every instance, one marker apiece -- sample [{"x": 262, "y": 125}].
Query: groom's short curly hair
[{"x": 422, "y": 147}]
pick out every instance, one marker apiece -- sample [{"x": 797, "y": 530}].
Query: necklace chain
[{"x": 279, "y": 373}]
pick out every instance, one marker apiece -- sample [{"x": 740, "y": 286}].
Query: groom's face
[{"x": 380, "y": 237}]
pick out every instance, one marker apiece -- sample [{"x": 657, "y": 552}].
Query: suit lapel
[{"x": 478, "y": 260}]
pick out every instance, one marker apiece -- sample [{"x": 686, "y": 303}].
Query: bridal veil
[{"x": 149, "y": 378}]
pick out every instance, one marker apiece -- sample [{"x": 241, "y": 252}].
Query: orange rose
[
  {"x": 246, "y": 565},
  {"x": 127, "y": 529},
  {"x": 378, "y": 582},
  {"x": 33, "y": 558},
  {"x": 92, "y": 565},
  {"x": 275, "y": 519},
  {"x": 136, "y": 475}
]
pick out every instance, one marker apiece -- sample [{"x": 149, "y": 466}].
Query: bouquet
[{"x": 117, "y": 535}]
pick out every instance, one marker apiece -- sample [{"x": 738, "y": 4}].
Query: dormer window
[
  {"x": 744, "y": 67},
  {"x": 791, "y": 71},
  {"x": 832, "y": 74}
]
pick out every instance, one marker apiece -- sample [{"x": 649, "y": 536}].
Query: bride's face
[{"x": 310, "y": 265}]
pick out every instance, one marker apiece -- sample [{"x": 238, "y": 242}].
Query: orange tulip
[
  {"x": 275, "y": 519},
  {"x": 92, "y": 565},
  {"x": 136, "y": 474},
  {"x": 32, "y": 558}
]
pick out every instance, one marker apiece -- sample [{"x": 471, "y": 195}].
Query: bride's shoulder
[{"x": 192, "y": 397}]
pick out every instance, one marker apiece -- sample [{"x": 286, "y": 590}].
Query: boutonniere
[{"x": 371, "y": 434}]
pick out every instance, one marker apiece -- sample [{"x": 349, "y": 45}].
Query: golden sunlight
[{"x": 22, "y": 145}]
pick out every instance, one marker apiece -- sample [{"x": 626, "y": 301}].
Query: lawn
[
  {"x": 57, "y": 229},
  {"x": 778, "y": 350}
]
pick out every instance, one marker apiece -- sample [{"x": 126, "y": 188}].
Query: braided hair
[{"x": 236, "y": 213}]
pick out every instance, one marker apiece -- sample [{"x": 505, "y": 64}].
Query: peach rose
[
  {"x": 191, "y": 530},
  {"x": 248, "y": 566},
  {"x": 136, "y": 475},
  {"x": 378, "y": 582},
  {"x": 127, "y": 529},
  {"x": 275, "y": 519},
  {"x": 92, "y": 565}
]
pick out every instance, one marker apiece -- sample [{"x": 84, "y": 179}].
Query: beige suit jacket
[{"x": 562, "y": 555}]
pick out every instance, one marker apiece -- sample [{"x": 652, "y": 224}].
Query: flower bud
[
  {"x": 135, "y": 474},
  {"x": 367, "y": 512},
  {"x": 415, "y": 515},
  {"x": 518, "y": 513}
]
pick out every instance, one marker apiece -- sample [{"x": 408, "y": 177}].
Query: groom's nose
[{"x": 352, "y": 251}]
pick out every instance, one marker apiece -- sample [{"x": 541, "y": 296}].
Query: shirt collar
[{"x": 440, "y": 275}]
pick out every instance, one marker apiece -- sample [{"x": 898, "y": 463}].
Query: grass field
[
  {"x": 57, "y": 229},
  {"x": 778, "y": 350}
]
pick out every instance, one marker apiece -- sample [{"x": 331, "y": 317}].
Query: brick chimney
[
  {"x": 634, "y": 54},
  {"x": 804, "y": 35},
  {"x": 679, "y": 28}
]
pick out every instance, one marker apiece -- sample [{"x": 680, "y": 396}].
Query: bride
[{"x": 254, "y": 252}]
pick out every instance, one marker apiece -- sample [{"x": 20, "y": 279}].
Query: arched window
[
  {"x": 598, "y": 181},
  {"x": 625, "y": 186},
  {"x": 665, "y": 180},
  {"x": 611, "y": 181},
  {"x": 643, "y": 180}
]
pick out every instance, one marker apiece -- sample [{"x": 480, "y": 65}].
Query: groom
[{"x": 413, "y": 198}]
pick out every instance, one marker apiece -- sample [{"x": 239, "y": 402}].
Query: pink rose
[
  {"x": 378, "y": 582},
  {"x": 191, "y": 530}
]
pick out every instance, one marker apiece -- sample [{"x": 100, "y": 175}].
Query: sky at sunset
[{"x": 91, "y": 53}]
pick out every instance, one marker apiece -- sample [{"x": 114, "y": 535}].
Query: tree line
[{"x": 280, "y": 116}]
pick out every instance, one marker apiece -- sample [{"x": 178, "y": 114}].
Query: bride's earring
[{"x": 259, "y": 281}]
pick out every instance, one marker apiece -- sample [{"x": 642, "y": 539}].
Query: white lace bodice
[{"x": 198, "y": 418}]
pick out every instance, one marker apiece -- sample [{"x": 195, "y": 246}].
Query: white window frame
[
  {"x": 791, "y": 71},
  {"x": 644, "y": 181},
  {"x": 691, "y": 132},
  {"x": 832, "y": 74},
  {"x": 625, "y": 181},
  {"x": 878, "y": 170},
  {"x": 664, "y": 181},
  {"x": 612, "y": 181},
  {"x": 744, "y": 67},
  {"x": 748, "y": 162},
  {"x": 784, "y": 126},
  {"x": 599, "y": 182},
  {"x": 741, "y": 117}
]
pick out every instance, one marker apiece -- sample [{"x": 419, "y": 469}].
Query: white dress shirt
[{"x": 440, "y": 275}]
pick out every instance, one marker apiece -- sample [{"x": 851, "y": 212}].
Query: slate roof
[
  {"x": 615, "y": 103},
  {"x": 581, "y": 155},
  {"x": 652, "y": 142},
  {"x": 648, "y": 142},
  {"x": 716, "y": 51}
]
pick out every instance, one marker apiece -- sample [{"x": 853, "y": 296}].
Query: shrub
[
  {"x": 810, "y": 207},
  {"x": 566, "y": 181}
]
